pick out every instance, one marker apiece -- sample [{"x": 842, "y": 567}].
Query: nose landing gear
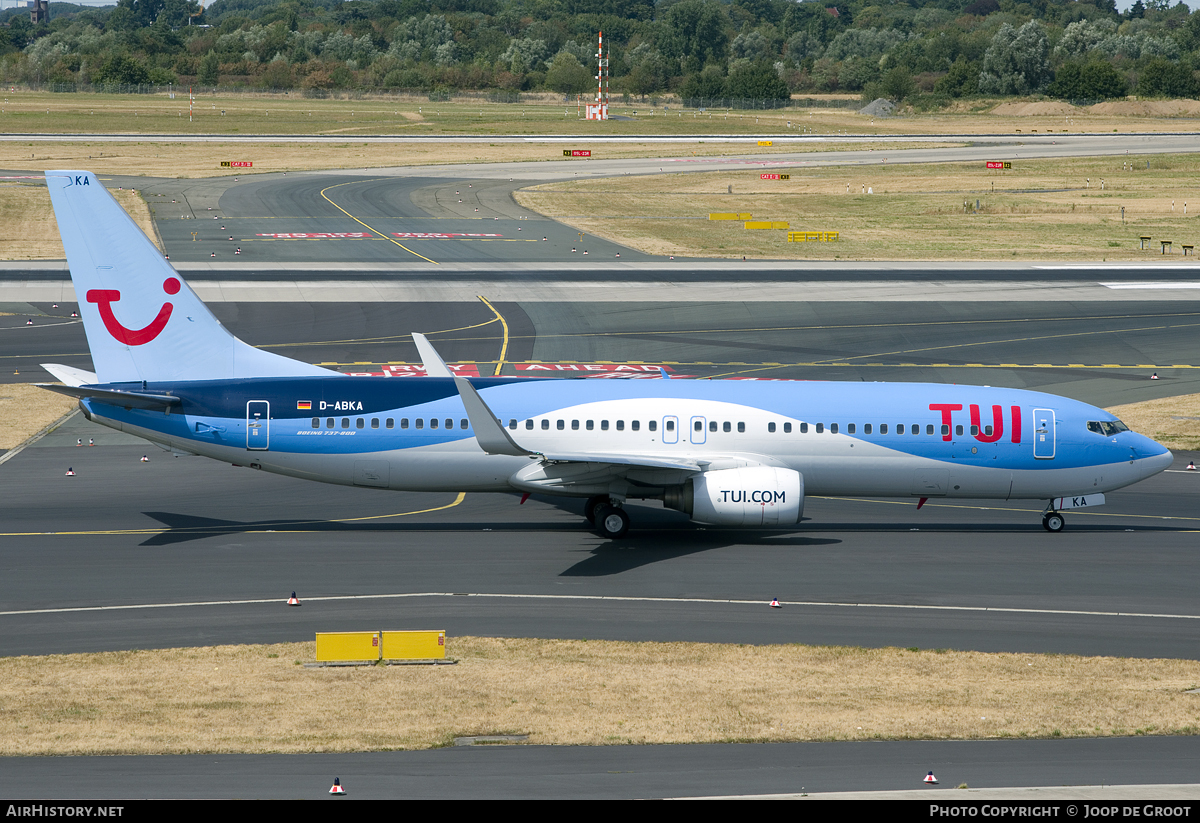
[{"x": 1052, "y": 521}]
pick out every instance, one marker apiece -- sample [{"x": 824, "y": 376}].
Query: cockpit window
[{"x": 1107, "y": 428}]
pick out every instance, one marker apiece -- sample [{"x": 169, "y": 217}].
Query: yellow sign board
[
  {"x": 344, "y": 646},
  {"x": 423, "y": 645},
  {"x": 764, "y": 142},
  {"x": 729, "y": 215},
  {"x": 812, "y": 236}
]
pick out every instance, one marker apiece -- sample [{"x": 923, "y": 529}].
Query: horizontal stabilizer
[
  {"x": 128, "y": 399},
  {"x": 70, "y": 375}
]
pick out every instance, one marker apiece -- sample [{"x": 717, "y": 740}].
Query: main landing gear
[
  {"x": 1052, "y": 521},
  {"x": 611, "y": 521}
]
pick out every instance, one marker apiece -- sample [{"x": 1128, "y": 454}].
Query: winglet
[
  {"x": 491, "y": 436},
  {"x": 435, "y": 366}
]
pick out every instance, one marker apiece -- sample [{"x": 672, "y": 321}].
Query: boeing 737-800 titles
[{"x": 727, "y": 453}]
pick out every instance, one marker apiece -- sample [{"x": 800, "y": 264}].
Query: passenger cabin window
[
  {"x": 726, "y": 426},
  {"x": 404, "y": 422},
  {"x": 652, "y": 425},
  {"x": 420, "y": 423},
  {"x": 574, "y": 425},
  {"x": 433, "y": 422},
  {"x": 603, "y": 425},
  {"x": 820, "y": 428},
  {"x": 449, "y": 423},
  {"x": 345, "y": 422},
  {"x": 883, "y": 428},
  {"x": 698, "y": 426},
  {"x": 804, "y": 428},
  {"x": 849, "y": 428},
  {"x": 545, "y": 425},
  {"x": 866, "y": 428},
  {"x": 561, "y": 425},
  {"x": 958, "y": 430},
  {"x": 512, "y": 423},
  {"x": 374, "y": 422},
  {"x": 771, "y": 427},
  {"x": 670, "y": 425},
  {"x": 635, "y": 424},
  {"x": 316, "y": 423},
  {"x": 974, "y": 430},
  {"x": 591, "y": 425},
  {"x": 390, "y": 423},
  {"x": 741, "y": 427},
  {"x": 833, "y": 428},
  {"x": 929, "y": 429},
  {"x": 787, "y": 428},
  {"x": 529, "y": 425},
  {"x": 620, "y": 425},
  {"x": 712, "y": 425},
  {"x": 329, "y": 423},
  {"x": 359, "y": 423},
  {"x": 945, "y": 429}
]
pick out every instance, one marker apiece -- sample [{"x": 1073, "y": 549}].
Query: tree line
[{"x": 926, "y": 52}]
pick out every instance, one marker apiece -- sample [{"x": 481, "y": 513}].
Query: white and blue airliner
[{"x": 726, "y": 453}]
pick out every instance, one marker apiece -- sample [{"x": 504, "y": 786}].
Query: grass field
[
  {"x": 260, "y": 699},
  {"x": 26, "y": 112},
  {"x": 1052, "y": 210}
]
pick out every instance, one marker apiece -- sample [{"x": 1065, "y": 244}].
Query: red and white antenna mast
[{"x": 599, "y": 111}]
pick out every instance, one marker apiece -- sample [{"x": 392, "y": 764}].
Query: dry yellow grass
[
  {"x": 1054, "y": 210},
  {"x": 28, "y": 230},
  {"x": 1172, "y": 421},
  {"x": 25, "y": 410},
  {"x": 258, "y": 699}
]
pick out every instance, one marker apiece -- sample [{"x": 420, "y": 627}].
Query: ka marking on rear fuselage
[{"x": 725, "y": 453}]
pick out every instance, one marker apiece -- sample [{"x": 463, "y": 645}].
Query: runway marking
[
  {"x": 605, "y": 598},
  {"x": 504, "y": 345},
  {"x": 361, "y": 223},
  {"x": 219, "y": 529}
]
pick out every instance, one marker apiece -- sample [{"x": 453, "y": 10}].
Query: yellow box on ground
[
  {"x": 424, "y": 645},
  {"x": 812, "y": 236},
  {"x": 729, "y": 215},
  {"x": 340, "y": 646},
  {"x": 764, "y": 142},
  {"x": 766, "y": 224}
]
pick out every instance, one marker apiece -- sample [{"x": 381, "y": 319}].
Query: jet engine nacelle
[{"x": 752, "y": 496}]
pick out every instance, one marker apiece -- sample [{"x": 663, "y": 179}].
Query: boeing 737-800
[{"x": 727, "y": 453}]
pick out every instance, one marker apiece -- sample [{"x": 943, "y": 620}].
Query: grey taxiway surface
[{"x": 186, "y": 551}]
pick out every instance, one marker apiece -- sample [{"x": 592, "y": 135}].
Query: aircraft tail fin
[{"x": 143, "y": 322}]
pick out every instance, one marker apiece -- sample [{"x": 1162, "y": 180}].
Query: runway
[{"x": 184, "y": 551}]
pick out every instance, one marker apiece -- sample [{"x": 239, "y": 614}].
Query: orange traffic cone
[
  {"x": 929, "y": 778},
  {"x": 293, "y": 601},
  {"x": 337, "y": 787}
]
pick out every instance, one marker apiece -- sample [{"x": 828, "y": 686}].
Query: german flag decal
[{"x": 303, "y": 405}]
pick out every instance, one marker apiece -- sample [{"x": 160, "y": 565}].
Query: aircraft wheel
[
  {"x": 592, "y": 506},
  {"x": 1053, "y": 522},
  {"x": 612, "y": 522}
]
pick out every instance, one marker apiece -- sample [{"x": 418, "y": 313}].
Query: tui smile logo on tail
[{"x": 104, "y": 298}]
